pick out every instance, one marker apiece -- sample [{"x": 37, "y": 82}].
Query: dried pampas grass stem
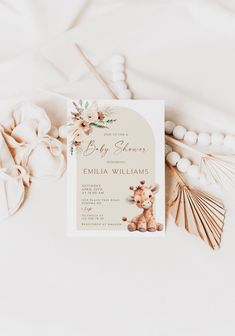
[{"x": 93, "y": 69}]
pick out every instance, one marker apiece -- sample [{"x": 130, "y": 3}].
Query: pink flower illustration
[
  {"x": 101, "y": 116},
  {"x": 86, "y": 127},
  {"x": 83, "y": 121},
  {"x": 90, "y": 116}
]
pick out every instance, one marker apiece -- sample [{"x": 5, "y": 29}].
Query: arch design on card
[{"x": 120, "y": 149}]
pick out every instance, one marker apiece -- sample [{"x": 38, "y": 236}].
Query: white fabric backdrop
[{"x": 180, "y": 51}]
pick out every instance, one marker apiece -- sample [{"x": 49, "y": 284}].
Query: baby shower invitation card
[{"x": 116, "y": 180}]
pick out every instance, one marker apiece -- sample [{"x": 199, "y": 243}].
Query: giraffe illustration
[{"x": 143, "y": 197}]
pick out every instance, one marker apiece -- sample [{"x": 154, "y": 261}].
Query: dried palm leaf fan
[
  {"x": 219, "y": 169},
  {"x": 196, "y": 211}
]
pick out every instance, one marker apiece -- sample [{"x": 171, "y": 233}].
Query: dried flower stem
[{"x": 92, "y": 68}]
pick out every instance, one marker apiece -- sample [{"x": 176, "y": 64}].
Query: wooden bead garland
[
  {"x": 184, "y": 165},
  {"x": 179, "y": 132},
  {"x": 202, "y": 139},
  {"x": 190, "y": 138},
  {"x": 119, "y": 77}
]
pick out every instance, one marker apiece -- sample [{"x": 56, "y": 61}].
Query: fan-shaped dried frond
[
  {"x": 219, "y": 169},
  {"x": 197, "y": 212}
]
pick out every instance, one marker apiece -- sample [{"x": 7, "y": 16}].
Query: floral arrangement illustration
[
  {"x": 82, "y": 121},
  {"x": 143, "y": 197}
]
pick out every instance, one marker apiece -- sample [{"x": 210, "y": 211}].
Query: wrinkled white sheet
[{"x": 181, "y": 51}]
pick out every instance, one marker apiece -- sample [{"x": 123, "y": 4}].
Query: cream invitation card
[{"x": 116, "y": 168}]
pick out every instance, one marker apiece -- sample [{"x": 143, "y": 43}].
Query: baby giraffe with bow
[{"x": 143, "y": 197}]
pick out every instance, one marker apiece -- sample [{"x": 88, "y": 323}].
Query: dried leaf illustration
[
  {"x": 219, "y": 169},
  {"x": 197, "y": 212}
]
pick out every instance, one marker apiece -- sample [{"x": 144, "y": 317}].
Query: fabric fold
[
  {"x": 13, "y": 180},
  {"x": 34, "y": 149}
]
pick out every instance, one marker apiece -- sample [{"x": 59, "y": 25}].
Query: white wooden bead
[
  {"x": 179, "y": 132},
  {"x": 54, "y": 132},
  {"x": 204, "y": 139},
  {"x": 217, "y": 139},
  {"x": 183, "y": 165},
  {"x": 63, "y": 132},
  {"x": 172, "y": 158},
  {"x": 168, "y": 149},
  {"x": 190, "y": 138},
  {"x": 124, "y": 94},
  {"x": 120, "y": 85},
  {"x": 229, "y": 141},
  {"x": 118, "y": 76},
  {"x": 118, "y": 59},
  {"x": 169, "y": 126},
  {"x": 118, "y": 67},
  {"x": 193, "y": 171}
]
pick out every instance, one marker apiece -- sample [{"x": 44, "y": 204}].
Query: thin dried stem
[{"x": 93, "y": 69}]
